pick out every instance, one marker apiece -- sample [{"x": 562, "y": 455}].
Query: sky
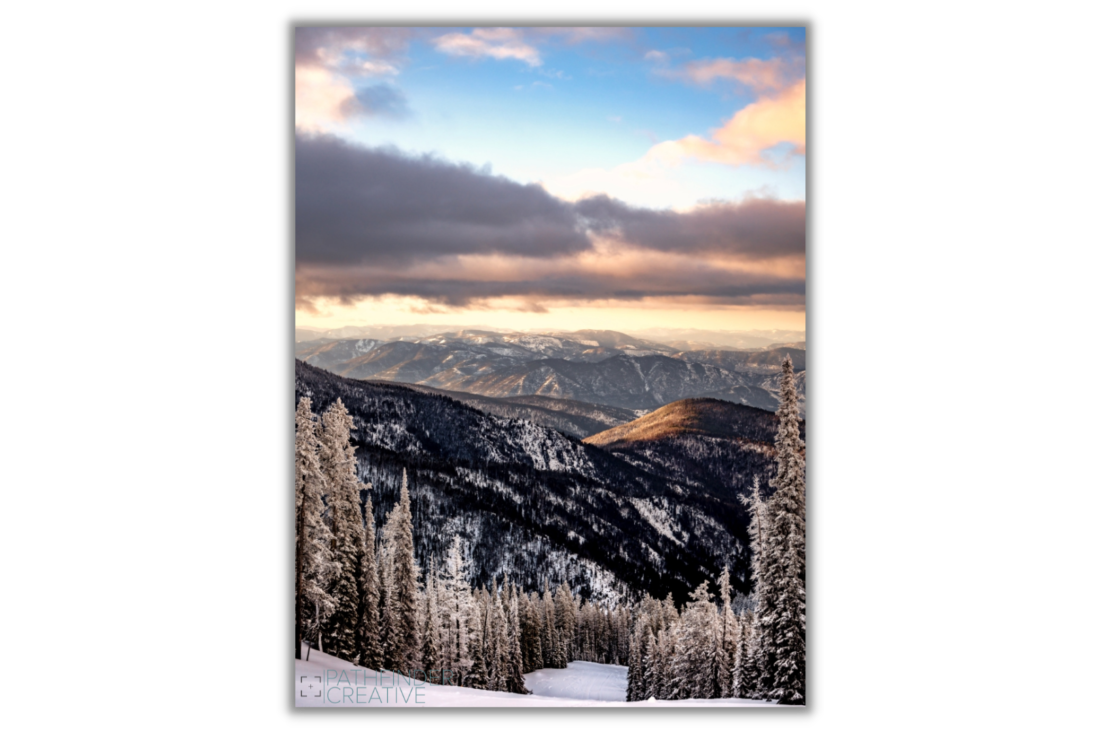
[{"x": 550, "y": 178}]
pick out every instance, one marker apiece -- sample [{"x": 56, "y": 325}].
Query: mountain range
[
  {"x": 646, "y": 506},
  {"x": 601, "y": 368}
]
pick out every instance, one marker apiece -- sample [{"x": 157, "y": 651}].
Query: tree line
[
  {"x": 366, "y": 599},
  {"x": 707, "y": 651}
]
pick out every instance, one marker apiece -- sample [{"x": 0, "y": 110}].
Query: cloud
[
  {"x": 497, "y": 43},
  {"x": 321, "y": 98},
  {"x": 755, "y": 228},
  {"x": 325, "y": 46},
  {"x": 572, "y": 284},
  {"x": 375, "y": 68},
  {"x": 375, "y": 222},
  {"x": 584, "y": 34},
  {"x": 766, "y": 123},
  {"x": 358, "y": 204},
  {"x": 781, "y": 42},
  {"x": 330, "y": 65},
  {"x": 756, "y": 74},
  {"x": 381, "y": 100}
]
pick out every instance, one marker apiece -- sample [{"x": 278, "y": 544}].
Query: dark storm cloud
[
  {"x": 356, "y": 205},
  {"x": 660, "y": 281},
  {"x": 755, "y": 228},
  {"x": 375, "y": 222}
]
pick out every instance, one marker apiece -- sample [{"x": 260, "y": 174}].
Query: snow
[
  {"x": 336, "y": 683},
  {"x": 657, "y": 517},
  {"x": 580, "y": 681}
]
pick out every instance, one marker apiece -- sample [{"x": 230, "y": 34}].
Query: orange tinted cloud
[
  {"x": 765, "y": 123},
  {"x": 321, "y": 98}
]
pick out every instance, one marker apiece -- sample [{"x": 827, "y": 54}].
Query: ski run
[{"x": 326, "y": 681}]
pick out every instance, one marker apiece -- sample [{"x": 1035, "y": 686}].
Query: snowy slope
[
  {"x": 529, "y": 502},
  {"x": 580, "y": 681},
  {"x": 336, "y": 683}
]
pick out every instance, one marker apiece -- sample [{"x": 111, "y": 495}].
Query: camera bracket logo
[{"x": 307, "y": 688}]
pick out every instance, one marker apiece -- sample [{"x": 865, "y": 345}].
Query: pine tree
[
  {"x": 727, "y": 649},
  {"x": 387, "y": 599},
  {"x": 341, "y": 474},
  {"x": 533, "y": 635},
  {"x": 652, "y": 674},
  {"x": 456, "y": 609},
  {"x": 370, "y": 621},
  {"x": 744, "y": 675},
  {"x": 429, "y": 651},
  {"x": 567, "y": 619},
  {"x": 551, "y": 645},
  {"x": 516, "y": 682},
  {"x": 763, "y": 572},
  {"x": 478, "y": 677},
  {"x": 695, "y": 650},
  {"x": 786, "y": 551},
  {"x": 664, "y": 685},
  {"x": 405, "y": 571},
  {"x": 313, "y": 558},
  {"x": 493, "y": 672}
]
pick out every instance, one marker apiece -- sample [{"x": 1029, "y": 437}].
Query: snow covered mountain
[
  {"x": 597, "y": 367},
  {"x": 706, "y": 444},
  {"x": 533, "y": 503},
  {"x": 579, "y": 419},
  {"x": 769, "y": 359}
]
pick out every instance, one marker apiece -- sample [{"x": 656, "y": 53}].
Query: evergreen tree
[
  {"x": 341, "y": 475},
  {"x": 370, "y": 621},
  {"x": 492, "y": 641},
  {"x": 313, "y": 557},
  {"x": 404, "y": 631},
  {"x": 429, "y": 652},
  {"x": 456, "y": 610},
  {"x": 652, "y": 673},
  {"x": 515, "y": 682},
  {"x": 567, "y": 619},
  {"x": 664, "y": 685},
  {"x": 694, "y": 666},
  {"x": 387, "y": 599},
  {"x": 478, "y": 677},
  {"x": 551, "y": 647},
  {"x": 532, "y": 652},
  {"x": 745, "y": 674},
  {"x": 763, "y": 572},
  {"x": 727, "y": 649},
  {"x": 786, "y": 551}
]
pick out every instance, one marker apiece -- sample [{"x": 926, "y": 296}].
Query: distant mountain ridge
[{"x": 596, "y": 367}]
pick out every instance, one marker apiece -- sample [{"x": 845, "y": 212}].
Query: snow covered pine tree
[
  {"x": 785, "y": 551},
  {"x": 369, "y": 634},
  {"x": 313, "y": 563},
  {"x": 341, "y": 474}
]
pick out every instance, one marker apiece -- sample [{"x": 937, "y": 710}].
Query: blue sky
[{"x": 654, "y": 118}]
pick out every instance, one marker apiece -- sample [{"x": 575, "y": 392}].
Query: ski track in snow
[{"x": 343, "y": 684}]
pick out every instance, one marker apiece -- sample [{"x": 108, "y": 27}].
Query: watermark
[{"x": 344, "y": 687}]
